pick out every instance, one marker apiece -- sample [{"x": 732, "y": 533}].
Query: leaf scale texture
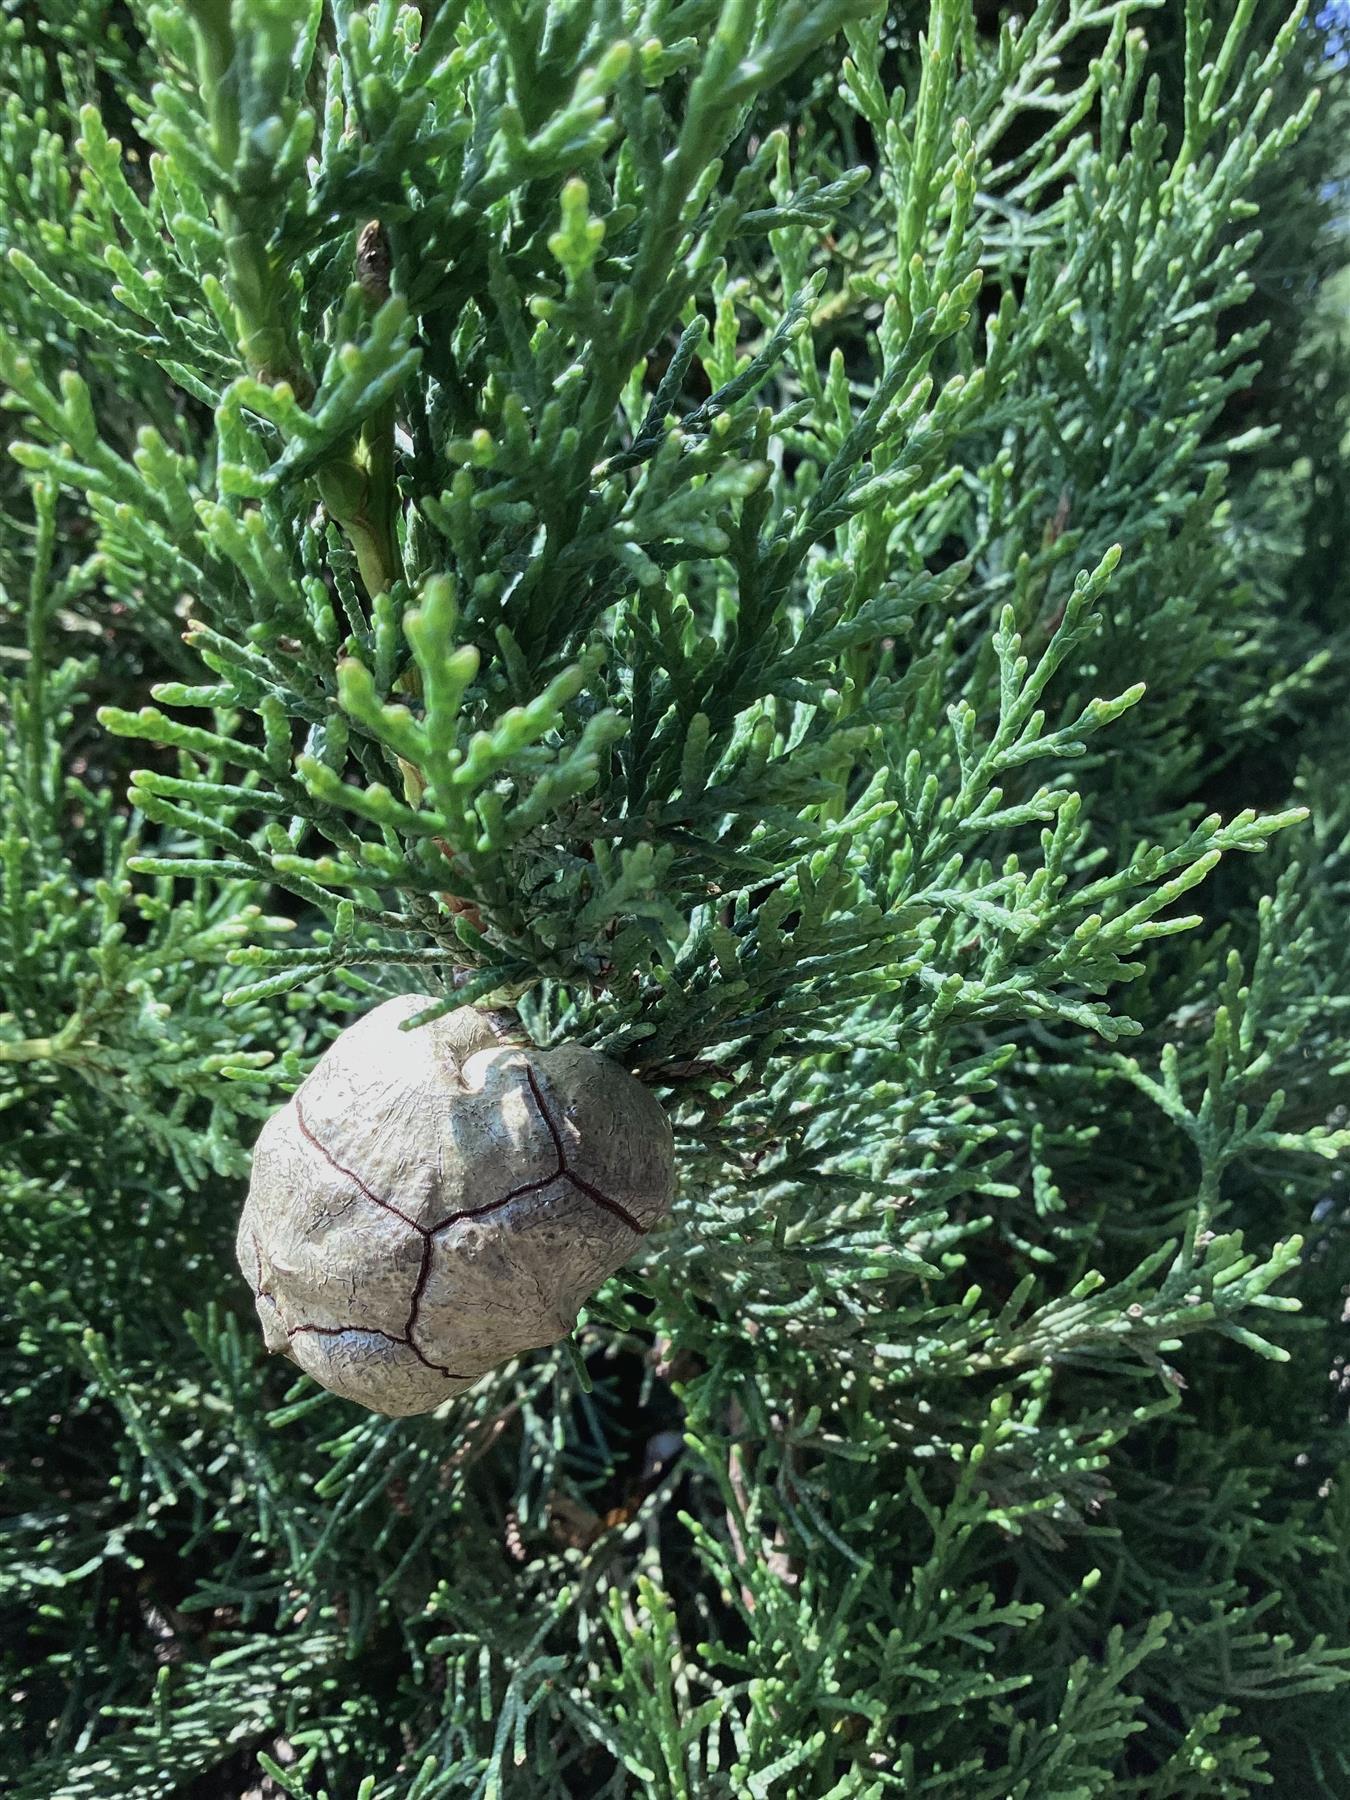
[{"x": 796, "y": 547}]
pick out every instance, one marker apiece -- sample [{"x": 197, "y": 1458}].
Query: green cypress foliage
[{"x": 802, "y": 544}]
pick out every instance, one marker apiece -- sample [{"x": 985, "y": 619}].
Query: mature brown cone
[{"x": 432, "y": 1203}]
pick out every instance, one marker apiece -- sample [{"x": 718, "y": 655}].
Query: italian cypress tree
[{"x": 799, "y": 545}]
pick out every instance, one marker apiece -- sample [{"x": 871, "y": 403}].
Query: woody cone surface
[{"x": 432, "y": 1203}]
